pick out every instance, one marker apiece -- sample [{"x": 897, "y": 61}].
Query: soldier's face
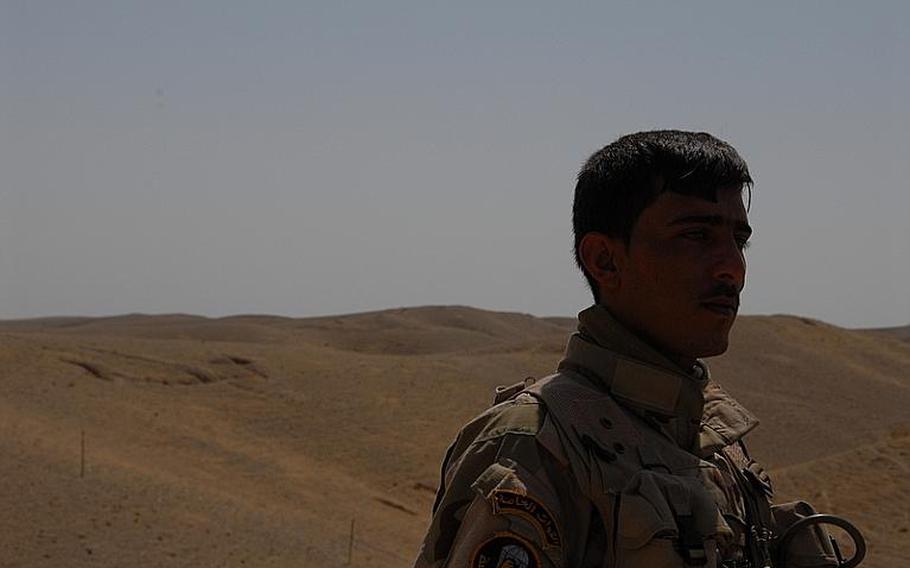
[{"x": 680, "y": 276}]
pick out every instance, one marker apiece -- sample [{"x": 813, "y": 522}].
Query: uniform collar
[
  {"x": 605, "y": 330},
  {"x": 631, "y": 369},
  {"x": 650, "y": 384}
]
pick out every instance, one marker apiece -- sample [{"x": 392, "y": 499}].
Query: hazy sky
[{"x": 301, "y": 159}]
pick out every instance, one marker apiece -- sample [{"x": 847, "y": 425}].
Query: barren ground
[{"x": 257, "y": 441}]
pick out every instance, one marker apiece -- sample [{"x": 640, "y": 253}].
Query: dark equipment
[{"x": 816, "y": 520}]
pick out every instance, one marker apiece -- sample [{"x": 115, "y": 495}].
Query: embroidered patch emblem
[
  {"x": 515, "y": 503},
  {"x": 505, "y": 551}
]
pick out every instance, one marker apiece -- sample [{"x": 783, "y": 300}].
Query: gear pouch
[{"x": 666, "y": 521}]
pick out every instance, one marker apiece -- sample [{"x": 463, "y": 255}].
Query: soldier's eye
[{"x": 696, "y": 235}]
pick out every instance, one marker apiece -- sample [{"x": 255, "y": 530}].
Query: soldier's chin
[{"x": 715, "y": 347}]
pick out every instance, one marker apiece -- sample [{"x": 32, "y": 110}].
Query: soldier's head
[{"x": 660, "y": 228}]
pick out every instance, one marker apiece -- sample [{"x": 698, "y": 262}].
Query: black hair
[{"x": 622, "y": 179}]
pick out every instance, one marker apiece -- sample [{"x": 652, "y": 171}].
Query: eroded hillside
[{"x": 257, "y": 440}]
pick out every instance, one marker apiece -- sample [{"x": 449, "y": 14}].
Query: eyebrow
[{"x": 716, "y": 220}]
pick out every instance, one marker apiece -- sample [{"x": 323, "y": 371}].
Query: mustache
[{"x": 722, "y": 289}]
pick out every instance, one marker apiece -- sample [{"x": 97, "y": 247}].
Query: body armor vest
[{"x": 664, "y": 506}]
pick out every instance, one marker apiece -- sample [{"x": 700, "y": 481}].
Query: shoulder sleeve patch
[
  {"x": 512, "y": 502},
  {"x": 505, "y": 550}
]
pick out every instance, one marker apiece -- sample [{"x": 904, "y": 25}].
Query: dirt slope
[
  {"x": 902, "y": 333},
  {"x": 256, "y": 440}
]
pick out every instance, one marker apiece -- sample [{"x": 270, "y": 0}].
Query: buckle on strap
[{"x": 504, "y": 393}]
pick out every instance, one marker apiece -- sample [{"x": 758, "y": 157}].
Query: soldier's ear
[
  {"x": 605, "y": 261},
  {"x": 598, "y": 255}
]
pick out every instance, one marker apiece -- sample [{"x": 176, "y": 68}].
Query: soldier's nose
[{"x": 730, "y": 266}]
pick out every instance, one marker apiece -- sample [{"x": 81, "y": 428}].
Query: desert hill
[
  {"x": 902, "y": 333},
  {"x": 256, "y": 440}
]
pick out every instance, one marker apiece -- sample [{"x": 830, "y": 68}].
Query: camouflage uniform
[{"x": 620, "y": 459}]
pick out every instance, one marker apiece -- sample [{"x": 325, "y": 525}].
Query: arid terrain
[{"x": 258, "y": 440}]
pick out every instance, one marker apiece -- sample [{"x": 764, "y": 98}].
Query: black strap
[{"x": 759, "y": 525}]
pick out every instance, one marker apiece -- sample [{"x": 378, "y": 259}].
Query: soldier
[{"x": 630, "y": 455}]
